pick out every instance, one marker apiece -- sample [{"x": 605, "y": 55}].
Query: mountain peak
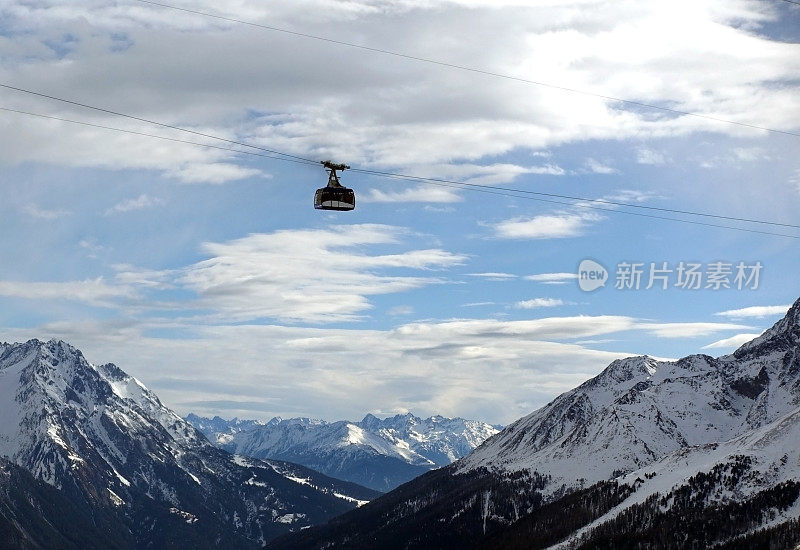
[
  {"x": 624, "y": 370},
  {"x": 369, "y": 419},
  {"x": 782, "y": 336}
]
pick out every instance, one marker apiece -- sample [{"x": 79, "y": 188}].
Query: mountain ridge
[{"x": 378, "y": 453}]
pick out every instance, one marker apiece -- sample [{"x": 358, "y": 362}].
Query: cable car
[{"x": 334, "y": 196}]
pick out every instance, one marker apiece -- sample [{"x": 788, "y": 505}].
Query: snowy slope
[
  {"x": 639, "y": 409},
  {"x": 105, "y": 440},
  {"x": 733, "y": 471},
  {"x": 378, "y": 453}
]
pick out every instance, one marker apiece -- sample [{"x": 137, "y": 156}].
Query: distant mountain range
[
  {"x": 697, "y": 453},
  {"x": 93, "y": 459},
  {"x": 377, "y": 453}
]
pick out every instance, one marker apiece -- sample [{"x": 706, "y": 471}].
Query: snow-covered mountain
[
  {"x": 700, "y": 452},
  {"x": 107, "y": 444},
  {"x": 735, "y": 471},
  {"x": 639, "y": 410},
  {"x": 377, "y": 453}
]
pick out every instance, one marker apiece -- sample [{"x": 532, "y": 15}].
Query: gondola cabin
[{"x": 334, "y": 196}]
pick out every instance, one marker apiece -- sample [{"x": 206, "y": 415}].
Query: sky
[{"x": 207, "y": 273}]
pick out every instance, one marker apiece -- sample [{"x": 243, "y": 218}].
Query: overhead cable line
[
  {"x": 280, "y": 156},
  {"x": 504, "y": 191},
  {"x": 602, "y": 201},
  {"x": 467, "y": 68},
  {"x": 156, "y": 123},
  {"x": 144, "y": 134},
  {"x": 488, "y": 189}
]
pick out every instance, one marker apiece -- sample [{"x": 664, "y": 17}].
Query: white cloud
[
  {"x": 649, "y": 156},
  {"x": 489, "y": 174},
  {"x": 536, "y": 303},
  {"x": 631, "y": 196},
  {"x": 400, "y": 310},
  {"x": 216, "y": 173},
  {"x": 94, "y": 292},
  {"x": 91, "y": 247},
  {"x": 563, "y": 224},
  {"x": 422, "y": 193},
  {"x": 754, "y": 311},
  {"x": 43, "y": 214},
  {"x": 438, "y": 209},
  {"x": 494, "y": 276},
  {"x": 303, "y": 275},
  {"x": 733, "y": 341},
  {"x": 795, "y": 180},
  {"x": 687, "y": 330},
  {"x": 597, "y": 167},
  {"x": 307, "y": 275},
  {"x": 750, "y": 154},
  {"x": 142, "y": 202},
  {"x": 505, "y": 369},
  {"x": 492, "y": 174},
  {"x": 405, "y": 113},
  {"x": 95, "y": 147},
  {"x": 545, "y": 226},
  {"x": 552, "y": 278}
]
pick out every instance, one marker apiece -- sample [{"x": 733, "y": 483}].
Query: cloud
[
  {"x": 649, "y": 156},
  {"x": 754, "y": 312},
  {"x": 750, "y": 154},
  {"x": 142, "y": 202},
  {"x": 631, "y": 196},
  {"x": 494, "y": 276},
  {"x": 596, "y": 167},
  {"x": 490, "y": 369},
  {"x": 545, "y": 226},
  {"x": 91, "y": 247},
  {"x": 795, "y": 180},
  {"x": 43, "y": 214},
  {"x": 307, "y": 275},
  {"x": 492, "y": 174},
  {"x": 422, "y": 193},
  {"x": 732, "y": 342},
  {"x": 400, "y": 310},
  {"x": 687, "y": 330},
  {"x": 504, "y": 369},
  {"x": 563, "y": 224},
  {"x": 303, "y": 275},
  {"x": 438, "y": 209},
  {"x": 403, "y": 113},
  {"x": 215, "y": 173},
  {"x": 95, "y": 292},
  {"x": 100, "y": 148},
  {"x": 488, "y": 174},
  {"x": 536, "y": 303},
  {"x": 551, "y": 278}
]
